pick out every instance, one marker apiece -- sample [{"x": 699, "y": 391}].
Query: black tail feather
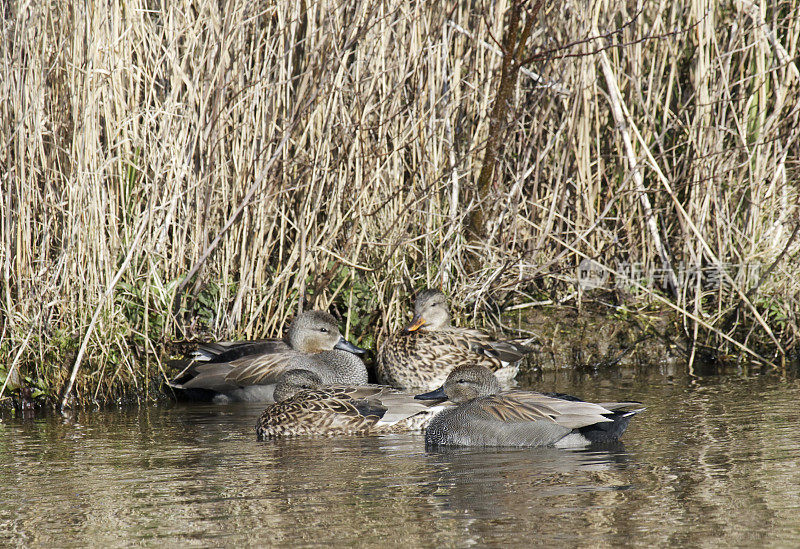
[{"x": 609, "y": 431}]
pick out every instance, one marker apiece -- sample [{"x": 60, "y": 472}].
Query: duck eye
[{"x": 323, "y": 330}]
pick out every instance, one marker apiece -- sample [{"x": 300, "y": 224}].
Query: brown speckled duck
[
  {"x": 304, "y": 406},
  {"x": 424, "y": 352},
  {"x": 248, "y": 371},
  {"x": 486, "y": 415}
]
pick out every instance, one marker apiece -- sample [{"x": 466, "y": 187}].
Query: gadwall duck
[
  {"x": 307, "y": 407},
  {"x": 248, "y": 371},
  {"x": 422, "y": 354},
  {"x": 487, "y": 416}
]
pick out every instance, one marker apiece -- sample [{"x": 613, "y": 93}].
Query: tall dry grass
[{"x": 330, "y": 149}]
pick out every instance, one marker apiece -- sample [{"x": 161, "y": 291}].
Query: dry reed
[{"x": 330, "y": 150}]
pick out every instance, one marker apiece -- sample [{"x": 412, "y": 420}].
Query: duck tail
[
  {"x": 508, "y": 352},
  {"x": 609, "y": 431}
]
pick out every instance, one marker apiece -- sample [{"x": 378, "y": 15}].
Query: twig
[
  {"x": 514, "y": 42},
  {"x": 752, "y": 291},
  {"x": 12, "y": 369},
  {"x": 615, "y": 98},
  {"x": 780, "y": 52},
  {"x": 242, "y": 205},
  {"x": 706, "y": 248},
  {"x": 677, "y": 308},
  {"x": 542, "y": 83},
  {"x": 109, "y": 291}
]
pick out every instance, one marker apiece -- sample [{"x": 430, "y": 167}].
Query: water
[{"x": 713, "y": 461}]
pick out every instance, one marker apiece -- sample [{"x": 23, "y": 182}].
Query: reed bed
[{"x": 203, "y": 169}]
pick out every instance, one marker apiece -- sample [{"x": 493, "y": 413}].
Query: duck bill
[
  {"x": 416, "y": 323},
  {"x": 345, "y": 345},
  {"x": 437, "y": 394}
]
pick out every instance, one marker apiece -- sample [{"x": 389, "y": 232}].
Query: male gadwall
[
  {"x": 307, "y": 407},
  {"x": 248, "y": 371},
  {"x": 487, "y": 416},
  {"x": 423, "y": 353}
]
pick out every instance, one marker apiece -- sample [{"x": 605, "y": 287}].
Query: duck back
[{"x": 423, "y": 360}]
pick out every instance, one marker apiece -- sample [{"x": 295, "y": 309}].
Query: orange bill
[{"x": 416, "y": 323}]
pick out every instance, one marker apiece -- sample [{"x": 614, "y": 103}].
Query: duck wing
[
  {"x": 264, "y": 369},
  {"x": 207, "y": 376},
  {"x": 507, "y": 352},
  {"x": 227, "y": 351},
  {"x": 524, "y": 406},
  {"x": 423, "y": 359},
  {"x": 460, "y": 337},
  {"x": 261, "y": 369},
  {"x": 321, "y": 412},
  {"x": 238, "y": 367},
  {"x": 394, "y": 405},
  {"x": 504, "y": 353}
]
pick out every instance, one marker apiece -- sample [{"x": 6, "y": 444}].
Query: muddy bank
[{"x": 568, "y": 338}]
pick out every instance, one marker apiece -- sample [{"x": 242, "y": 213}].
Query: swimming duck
[
  {"x": 248, "y": 371},
  {"x": 422, "y": 354},
  {"x": 486, "y": 415},
  {"x": 304, "y": 406}
]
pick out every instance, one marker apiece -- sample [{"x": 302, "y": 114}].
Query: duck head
[
  {"x": 317, "y": 331},
  {"x": 465, "y": 383},
  {"x": 292, "y": 382},
  {"x": 430, "y": 312}
]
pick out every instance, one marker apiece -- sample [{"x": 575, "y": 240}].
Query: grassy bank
[{"x": 179, "y": 171}]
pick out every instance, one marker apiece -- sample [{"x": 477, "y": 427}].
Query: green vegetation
[{"x": 171, "y": 174}]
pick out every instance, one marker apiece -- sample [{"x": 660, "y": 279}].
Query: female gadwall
[
  {"x": 424, "y": 352},
  {"x": 487, "y": 416},
  {"x": 306, "y": 407},
  {"x": 248, "y": 371}
]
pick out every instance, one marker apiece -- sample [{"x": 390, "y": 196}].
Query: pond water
[{"x": 713, "y": 461}]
